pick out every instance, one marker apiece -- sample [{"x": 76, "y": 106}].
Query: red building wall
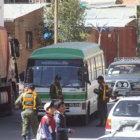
[{"x": 118, "y": 42}]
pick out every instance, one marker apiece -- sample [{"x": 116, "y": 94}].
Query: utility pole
[
  {"x": 56, "y": 22},
  {"x": 118, "y": 42}
]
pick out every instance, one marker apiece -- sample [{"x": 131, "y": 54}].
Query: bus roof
[{"x": 67, "y": 50}]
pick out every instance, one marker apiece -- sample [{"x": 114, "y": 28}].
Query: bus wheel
[
  {"x": 95, "y": 114},
  {"x": 86, "y": 117}
]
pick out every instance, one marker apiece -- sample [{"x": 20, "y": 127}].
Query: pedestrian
[
  {"x": 30, "y": 101},
  {"x": 60, "y": 119},
  {"x": 28, "y": 136},
  {"x": 47, "y": 127},
  {"x": 56, "y": 89},
  {"x": 103, "y": 94}
]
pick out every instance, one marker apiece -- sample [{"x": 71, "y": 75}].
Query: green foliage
[
  {"x": 138, "y": 11},
  {"x": 39, "y": 34},
  {"x": 70, "y": 20}
]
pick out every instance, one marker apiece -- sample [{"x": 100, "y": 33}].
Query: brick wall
[{"x": 18, "y": 29}]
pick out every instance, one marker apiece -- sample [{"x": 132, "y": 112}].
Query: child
[
  {"x": 48, "y": 125},
  {"x": 61, "y": 130}
]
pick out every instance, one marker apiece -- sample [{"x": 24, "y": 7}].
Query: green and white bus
[{"x": 78, "y": 64}]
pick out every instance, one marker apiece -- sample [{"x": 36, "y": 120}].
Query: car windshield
[
  {"x": 127, "y": 108},
  {"x": 124, "y": 69}
]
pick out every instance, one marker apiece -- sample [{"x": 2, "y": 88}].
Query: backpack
[{"x": 39, "y": 130}]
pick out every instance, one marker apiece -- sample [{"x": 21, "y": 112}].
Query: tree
[{"x": 70, "y": 20}]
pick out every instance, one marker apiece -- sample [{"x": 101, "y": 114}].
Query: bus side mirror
[
  {"x": 85, "y": 76},
  {"x": 29, "y": 76}
]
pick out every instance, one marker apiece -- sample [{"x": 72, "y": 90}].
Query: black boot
[{"x": 24, "y": 137}]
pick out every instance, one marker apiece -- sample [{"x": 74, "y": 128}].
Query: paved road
[{"x": 10, "y": 128}]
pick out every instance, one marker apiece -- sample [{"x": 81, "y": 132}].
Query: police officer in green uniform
[
  {"x": 56, "y": 89},
  {"x": 30, "y": 101},
  {"x": 103, "y": 95}
]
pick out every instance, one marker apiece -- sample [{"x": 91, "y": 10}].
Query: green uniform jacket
[
  {"x": 55, "y": 90},
  {"x": 20, "y": 99},
  {"x": 29, "y": 116}
]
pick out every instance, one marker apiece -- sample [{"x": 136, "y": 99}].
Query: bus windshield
[{"x": 44, "y": 75}]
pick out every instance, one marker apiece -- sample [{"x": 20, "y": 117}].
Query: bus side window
[
  {"x": 89, "y": 69},
  {"x": 94, "y": 69},
  {"x": 103, "y": 65},
  {"x": 100, "y": 65}
]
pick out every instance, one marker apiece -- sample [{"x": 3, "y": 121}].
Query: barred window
[{"x": 29, "y": 40}]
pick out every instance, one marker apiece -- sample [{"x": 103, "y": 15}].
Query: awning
[{"x": 107, "y": 22}]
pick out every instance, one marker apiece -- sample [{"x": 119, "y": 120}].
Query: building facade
[{"x": 25, "y": 28}]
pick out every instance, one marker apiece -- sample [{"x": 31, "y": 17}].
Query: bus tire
[
  {"x": 86, "y": 117},
  {"x": 96, "y": 114}
]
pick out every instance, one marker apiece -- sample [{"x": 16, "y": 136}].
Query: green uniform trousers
[{"x": 30, "y": 118}]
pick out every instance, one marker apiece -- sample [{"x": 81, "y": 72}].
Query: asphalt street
[{"x": 10, "y": 128}]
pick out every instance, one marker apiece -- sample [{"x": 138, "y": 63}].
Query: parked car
[
  {"x": 123, "y": 76},
  {"x": 125, "y": 131},
  {"x": 127, "y": 109}
]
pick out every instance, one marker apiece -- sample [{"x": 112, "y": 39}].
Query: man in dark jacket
[
  {"x": 103, "y": 94},
  {"x": 56, "y": 89},
  {"x": 61, "y": 130}
]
